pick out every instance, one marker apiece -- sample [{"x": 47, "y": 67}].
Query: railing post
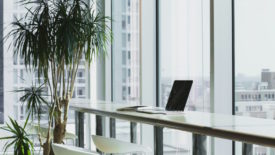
[
  {"x": 100, "y": 121},
  {"x": 112, "y": 128},
  {"x": 247, "y": 149},
  {"x": 133, "y": 132},
  {"x": 158, "y": 140},
  {"x": 99, "y": 125},
  {"x": 199, "y": 144},
  {"x": 79, "y": 128}
]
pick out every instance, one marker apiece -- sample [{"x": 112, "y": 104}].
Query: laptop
[{"x": 176, "y": 102}]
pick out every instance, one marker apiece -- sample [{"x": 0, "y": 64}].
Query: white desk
[{"x": 237, "y": 128}]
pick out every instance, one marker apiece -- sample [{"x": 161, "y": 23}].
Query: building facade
[
  {"x": 257, "y": 99},
  {"x": 126, "y": 51}
]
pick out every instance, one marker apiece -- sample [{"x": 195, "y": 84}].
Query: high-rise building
[
  {"x": 126, "y": 51},
  {"x": 257, "y": 102},
  {"x": 126, "y": 58},
  {"x": 269, "y": 77}
]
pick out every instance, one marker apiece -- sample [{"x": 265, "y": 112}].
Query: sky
[{"x": 254, "y": 36}]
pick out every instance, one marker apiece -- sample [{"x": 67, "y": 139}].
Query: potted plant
[
  {"x": 19, "y": 139},
  {"x": 52, "y": 38}
]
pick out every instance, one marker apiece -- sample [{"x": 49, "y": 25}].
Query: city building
[
  {"x": 269, "y": 77},
  {"x": 260, "y": 101},
  {"x": 126, "y": 49}
]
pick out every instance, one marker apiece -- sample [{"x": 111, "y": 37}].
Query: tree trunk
[
  {"x": 46, "y": 148},
  {"x": 60, "y": 127},
  {"x": 59, "y": 132}
]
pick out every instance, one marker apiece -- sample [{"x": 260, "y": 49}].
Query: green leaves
[
  {"x": 34, "y": 99},
  {"x": 19, "y": 140},
  {"x": 59, "y": 31},
  {"x": 52, "y": 38}
]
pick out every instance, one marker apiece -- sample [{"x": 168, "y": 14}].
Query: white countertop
[{"x": 239, "y": 128}]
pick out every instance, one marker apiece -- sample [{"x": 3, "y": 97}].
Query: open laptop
[{"x": 176, "y": 101}]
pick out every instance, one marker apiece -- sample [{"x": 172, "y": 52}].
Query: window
[
  {"x": 124, "y": 58},
  {"x": 124, "y": 93},
  {"x": 129, "y": 55},
  {"x": 259, "y": 48},
  {"x": 254, "y": 46},
  {"x": 129, "y": 73},
  {"x": 184, "y": 54},
  {"x": 21, "y": 61},
  {"x": 129, "y": 3},
  {"x": 129, "y": 90},
  {"x": 80, "y": 91},
  {"x": 74, "y": 94},
  {"x": 80, "y": 73},
  {"x": 129, "y": 20},
  {"x": 129, "y": 37},
  {"x": 123, "y": 22},
  {"x": 126, "y": 41},
  {"x": 15, "y": 60}
]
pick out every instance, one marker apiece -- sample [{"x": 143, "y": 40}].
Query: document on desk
[{"x": 130, "y": 108}]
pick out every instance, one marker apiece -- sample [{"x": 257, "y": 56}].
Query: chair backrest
[
  {"x": 111, "y": 145},
  {"x": 60, "y": 149}
]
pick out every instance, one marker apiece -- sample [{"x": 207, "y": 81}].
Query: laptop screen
[{"x": 179, "y": 95}]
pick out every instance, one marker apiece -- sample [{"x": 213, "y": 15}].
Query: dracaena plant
[
  {"x": 35, "y": 100},
  {"x": 52, "y": 38},
  {"x": 18, "y": 139}
]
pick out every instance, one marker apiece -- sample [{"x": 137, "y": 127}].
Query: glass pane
[
  {"x": 184, "y": 55},
  {"x": 254, "y": 61},
  {"x": 126, "y": 48},
  {"x": 125, "y": 58}
]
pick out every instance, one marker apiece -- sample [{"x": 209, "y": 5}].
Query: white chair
[
  {"x": 61, "y": 149},
  {"x": 111, "y": 145},
  {"x": 34, "y": 129}
]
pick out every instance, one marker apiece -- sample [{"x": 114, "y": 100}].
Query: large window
[
  {"x": 125, "y": 58},
  {"x": 254, "y": 60},
  {"x": 184, "y": 54}
]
